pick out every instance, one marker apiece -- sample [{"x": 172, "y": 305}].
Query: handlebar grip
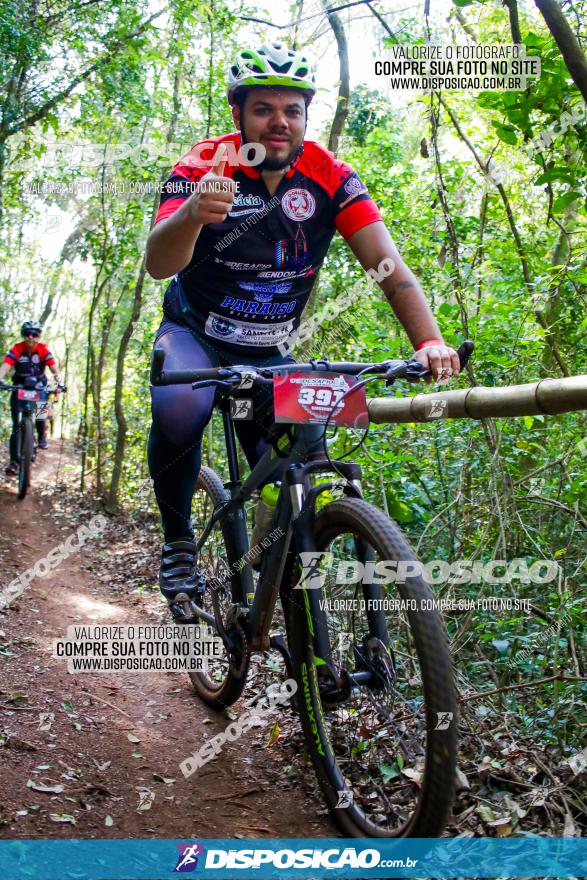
[
  {"x": 157, "y": 359},
  {"x": 465, "y": 351}
]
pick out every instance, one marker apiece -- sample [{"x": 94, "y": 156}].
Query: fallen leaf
[
  {"x": 62, "y": 817},
  {"x": 514, "y": 807},
  {"x": 109, "y": 821},
  {"x": 486, "y": 813},
  {"x": 503, "y": 826},
  {"x": 168, "y": 780},
  {"x": 45, "y": 789},
  {"x": 462, "y": 781},
  {"x": 274, "y": 735},
  {"x": 413, "y": 775},
  {"x": 132, "y": 738},
  {"x": 570, "y": 829}
]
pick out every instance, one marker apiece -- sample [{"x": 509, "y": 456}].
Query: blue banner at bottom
[{"x": 305, "y": 859}]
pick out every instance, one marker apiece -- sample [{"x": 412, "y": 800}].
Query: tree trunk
[
  {"x": 512, "y": 7},
  {"x": 342, "y": 104},
  {"x": 96, "y": 294},
  {"x": 122, "y": 425},
  {"x": 566, "y": 41}
]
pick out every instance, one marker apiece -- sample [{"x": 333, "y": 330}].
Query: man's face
[
  {"x": 276, "y": 119},
  {"x": 30, "y": 340}
]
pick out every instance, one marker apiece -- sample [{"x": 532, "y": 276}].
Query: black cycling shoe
[
  {"x": 178, "y": 573},
  {"x": 12, "y": 468},
  {"x": 43, "y": 444}
]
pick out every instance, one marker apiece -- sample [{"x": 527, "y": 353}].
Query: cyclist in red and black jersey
[
  {"x": 244, "y": 243},
  {"x": 28, "y": 358}
]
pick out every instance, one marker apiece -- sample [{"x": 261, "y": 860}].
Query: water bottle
[{"x": 263, "y": 519}]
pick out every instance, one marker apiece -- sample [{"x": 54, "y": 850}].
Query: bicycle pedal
[{"x": 181, "y": 609}]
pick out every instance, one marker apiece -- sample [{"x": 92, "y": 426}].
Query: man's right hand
[{"x": 215, "y": 194}]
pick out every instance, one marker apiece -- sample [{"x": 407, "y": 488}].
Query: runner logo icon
[{"x": 187, "y": 860}]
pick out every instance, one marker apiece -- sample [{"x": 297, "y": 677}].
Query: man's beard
[{"x": 273, "y": 164}]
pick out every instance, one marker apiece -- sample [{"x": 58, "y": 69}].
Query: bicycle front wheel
[
  {"x": 26, "y": 457},
  {"x": 384, "y": 748},
  {"x": 223, "y": 682}
]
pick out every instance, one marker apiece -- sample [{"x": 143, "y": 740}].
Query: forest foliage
[{"x": 485, "y": 195}]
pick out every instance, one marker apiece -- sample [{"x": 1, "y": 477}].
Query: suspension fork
[{"x": 310, "y": 586}]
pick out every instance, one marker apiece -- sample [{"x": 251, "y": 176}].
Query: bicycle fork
[{"x": 335, "y": 683}]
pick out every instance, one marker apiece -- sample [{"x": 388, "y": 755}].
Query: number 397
[{"x": 320, "y": 396}]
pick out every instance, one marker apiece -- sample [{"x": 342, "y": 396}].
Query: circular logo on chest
[{"x": 298, "y": 204}]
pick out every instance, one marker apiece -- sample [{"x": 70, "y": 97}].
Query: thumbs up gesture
[{"x": 215, "y": 194}]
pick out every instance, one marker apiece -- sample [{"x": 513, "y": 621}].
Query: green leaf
[
  {"x": 398, "y": 509},
  {"x": 566, "y": 199},
  {"x": 506, "y": 133},
  {"x": 389, "y": 771}
]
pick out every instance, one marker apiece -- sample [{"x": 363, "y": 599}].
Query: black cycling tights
[{"x": 180, "y": 416}]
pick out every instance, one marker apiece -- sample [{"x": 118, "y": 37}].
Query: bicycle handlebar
[
  {"x": 229, "y": 377},
  {"x": 6, "y": 386}
]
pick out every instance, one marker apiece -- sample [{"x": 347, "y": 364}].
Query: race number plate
[
  {"x": 26, "y": 394},
  {"x": 303, "y": 398}
]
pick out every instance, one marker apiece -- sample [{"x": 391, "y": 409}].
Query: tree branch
[
  {"x": 45, "y": 108},
  {"x": 566, "y": 41}
]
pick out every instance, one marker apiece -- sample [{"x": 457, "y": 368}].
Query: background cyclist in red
[
  {"x": 244, "y": 243},
  {"x": 27, "y": 358}
]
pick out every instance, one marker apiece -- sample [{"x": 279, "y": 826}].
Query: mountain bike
[
  {"x": 369, "y": 652},
  {"x": 34, "y": 401}
]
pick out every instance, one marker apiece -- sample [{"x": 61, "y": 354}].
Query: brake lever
[
  {"x": 415, "y": 371},
  {"x": 208, "y": 383}
]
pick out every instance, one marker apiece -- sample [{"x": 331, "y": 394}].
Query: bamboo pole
[{"x": 547, "y": 397}]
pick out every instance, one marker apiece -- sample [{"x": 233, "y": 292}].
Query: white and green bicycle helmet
[{"x": 273, "y": 64}]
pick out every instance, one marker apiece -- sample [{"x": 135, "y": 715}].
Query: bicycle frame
[
  {"x": 293, "y": 517},
  {"x": 294, "y": 513}
]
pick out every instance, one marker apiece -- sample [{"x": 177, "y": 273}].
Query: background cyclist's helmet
[
  {"x": 31, "y": 325},
  {"x": 273, "y": 64}
]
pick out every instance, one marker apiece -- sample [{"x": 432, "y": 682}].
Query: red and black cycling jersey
[
  {"x": 26, "y": 364},
  {"x": 251, "y": 275}
]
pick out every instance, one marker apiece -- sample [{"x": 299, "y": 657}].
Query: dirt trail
[{"x": 251, "y": 790}]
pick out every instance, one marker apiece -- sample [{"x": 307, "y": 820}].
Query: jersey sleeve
[
  {"x": 353, "y": 206},
  {"x": 46, "y": 357},
  {"x": 11, "y": 357}
]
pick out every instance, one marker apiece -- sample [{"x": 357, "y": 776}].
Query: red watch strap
[{"x": 428, "y": 342}]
